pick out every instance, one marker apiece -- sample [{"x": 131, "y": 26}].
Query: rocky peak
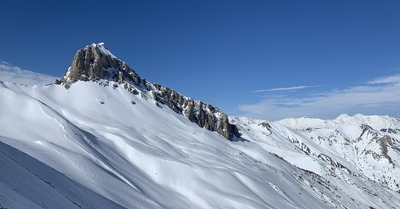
[{"x": 96, "y": 62}]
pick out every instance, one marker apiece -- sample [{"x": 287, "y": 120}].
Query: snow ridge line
[
  {"x": 88, "y": 143},
  {"x": 46, "y": 182}
]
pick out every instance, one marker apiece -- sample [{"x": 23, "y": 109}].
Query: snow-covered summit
[
  {"x": 103, "y": 49},
  {"x": 385, "y": 123}
]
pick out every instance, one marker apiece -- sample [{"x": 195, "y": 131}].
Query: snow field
[{"x": 146, "y": 156}]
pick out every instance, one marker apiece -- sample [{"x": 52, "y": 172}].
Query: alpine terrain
[{"x": 103, "y": 137}]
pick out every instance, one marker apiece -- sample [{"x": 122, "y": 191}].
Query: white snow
[
  {"x": 62, "y": 148},
  {"x": 375, "y": 121},
  {"x": 103, "y": 49},
  {"x": 11, "y": 73}
]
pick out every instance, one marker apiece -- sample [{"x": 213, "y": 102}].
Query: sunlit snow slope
[
  {"x": 91, "y": 147},
  {"x": 369, "y": 143},
  {"x": 103, "y": 137}
]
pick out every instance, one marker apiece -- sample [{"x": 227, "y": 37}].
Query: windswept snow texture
[{"x": 100, "y": 146}]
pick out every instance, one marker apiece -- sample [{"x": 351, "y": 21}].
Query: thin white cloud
[
  {"x": 15, "y": 74},
  {"x": 282, "y": 89},
  {"x": 386, "y": 79},
  {"x": 368, "y": 99}
]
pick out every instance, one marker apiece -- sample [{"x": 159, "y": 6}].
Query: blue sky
[{"x": 264, "y": 59}]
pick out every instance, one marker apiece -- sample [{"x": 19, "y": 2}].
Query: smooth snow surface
[{"x": 91, "y": 147}]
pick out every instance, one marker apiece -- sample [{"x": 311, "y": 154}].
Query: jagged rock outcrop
[{"x": 95, "y": 63}]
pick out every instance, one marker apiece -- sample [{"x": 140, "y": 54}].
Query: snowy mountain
[
  {"x": 370, "y": 143},
  {"x": 96, "y": 63},
  {"x": 382, "y": 123},
  {"x": 103, "y": 137}
]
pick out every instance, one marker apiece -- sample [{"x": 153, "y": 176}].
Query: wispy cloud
[
  {"x": 15, "y": 74},
  {"x": 365, "y": 99},
  {"x": 284, "y": 88},
  {"x": 386, "y": 80}
]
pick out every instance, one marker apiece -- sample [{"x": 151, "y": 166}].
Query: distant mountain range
[
  {"x": 103, "y": 137},
  {"x": 383, "y": 123}
]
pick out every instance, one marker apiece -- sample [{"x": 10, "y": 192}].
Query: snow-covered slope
[
  {"x": 29, "y": 183},
  {"x": 92, "y": 138},
  {"x": 98, "y": 145},
  {"x": 349, "y": 159},
  {"x": 134, "y": 155},
  {"x": 369, "y": 143}
]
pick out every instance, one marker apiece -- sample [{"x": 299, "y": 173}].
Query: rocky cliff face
[
  {"x": 96, "y": 63},
  {"x": 205, "y": 115}
]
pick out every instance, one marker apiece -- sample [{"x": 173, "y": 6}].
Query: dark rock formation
[
  {"x": 95, "y": 62},
  {"x": 205, "y": 115}
]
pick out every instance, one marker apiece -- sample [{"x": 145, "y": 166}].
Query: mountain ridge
[
  {"x": 96, "y": 63},
  {"x": 99, "y": 144},
  {"x": 363, "y": 149},
  {"x": 385, "y": 123}
]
